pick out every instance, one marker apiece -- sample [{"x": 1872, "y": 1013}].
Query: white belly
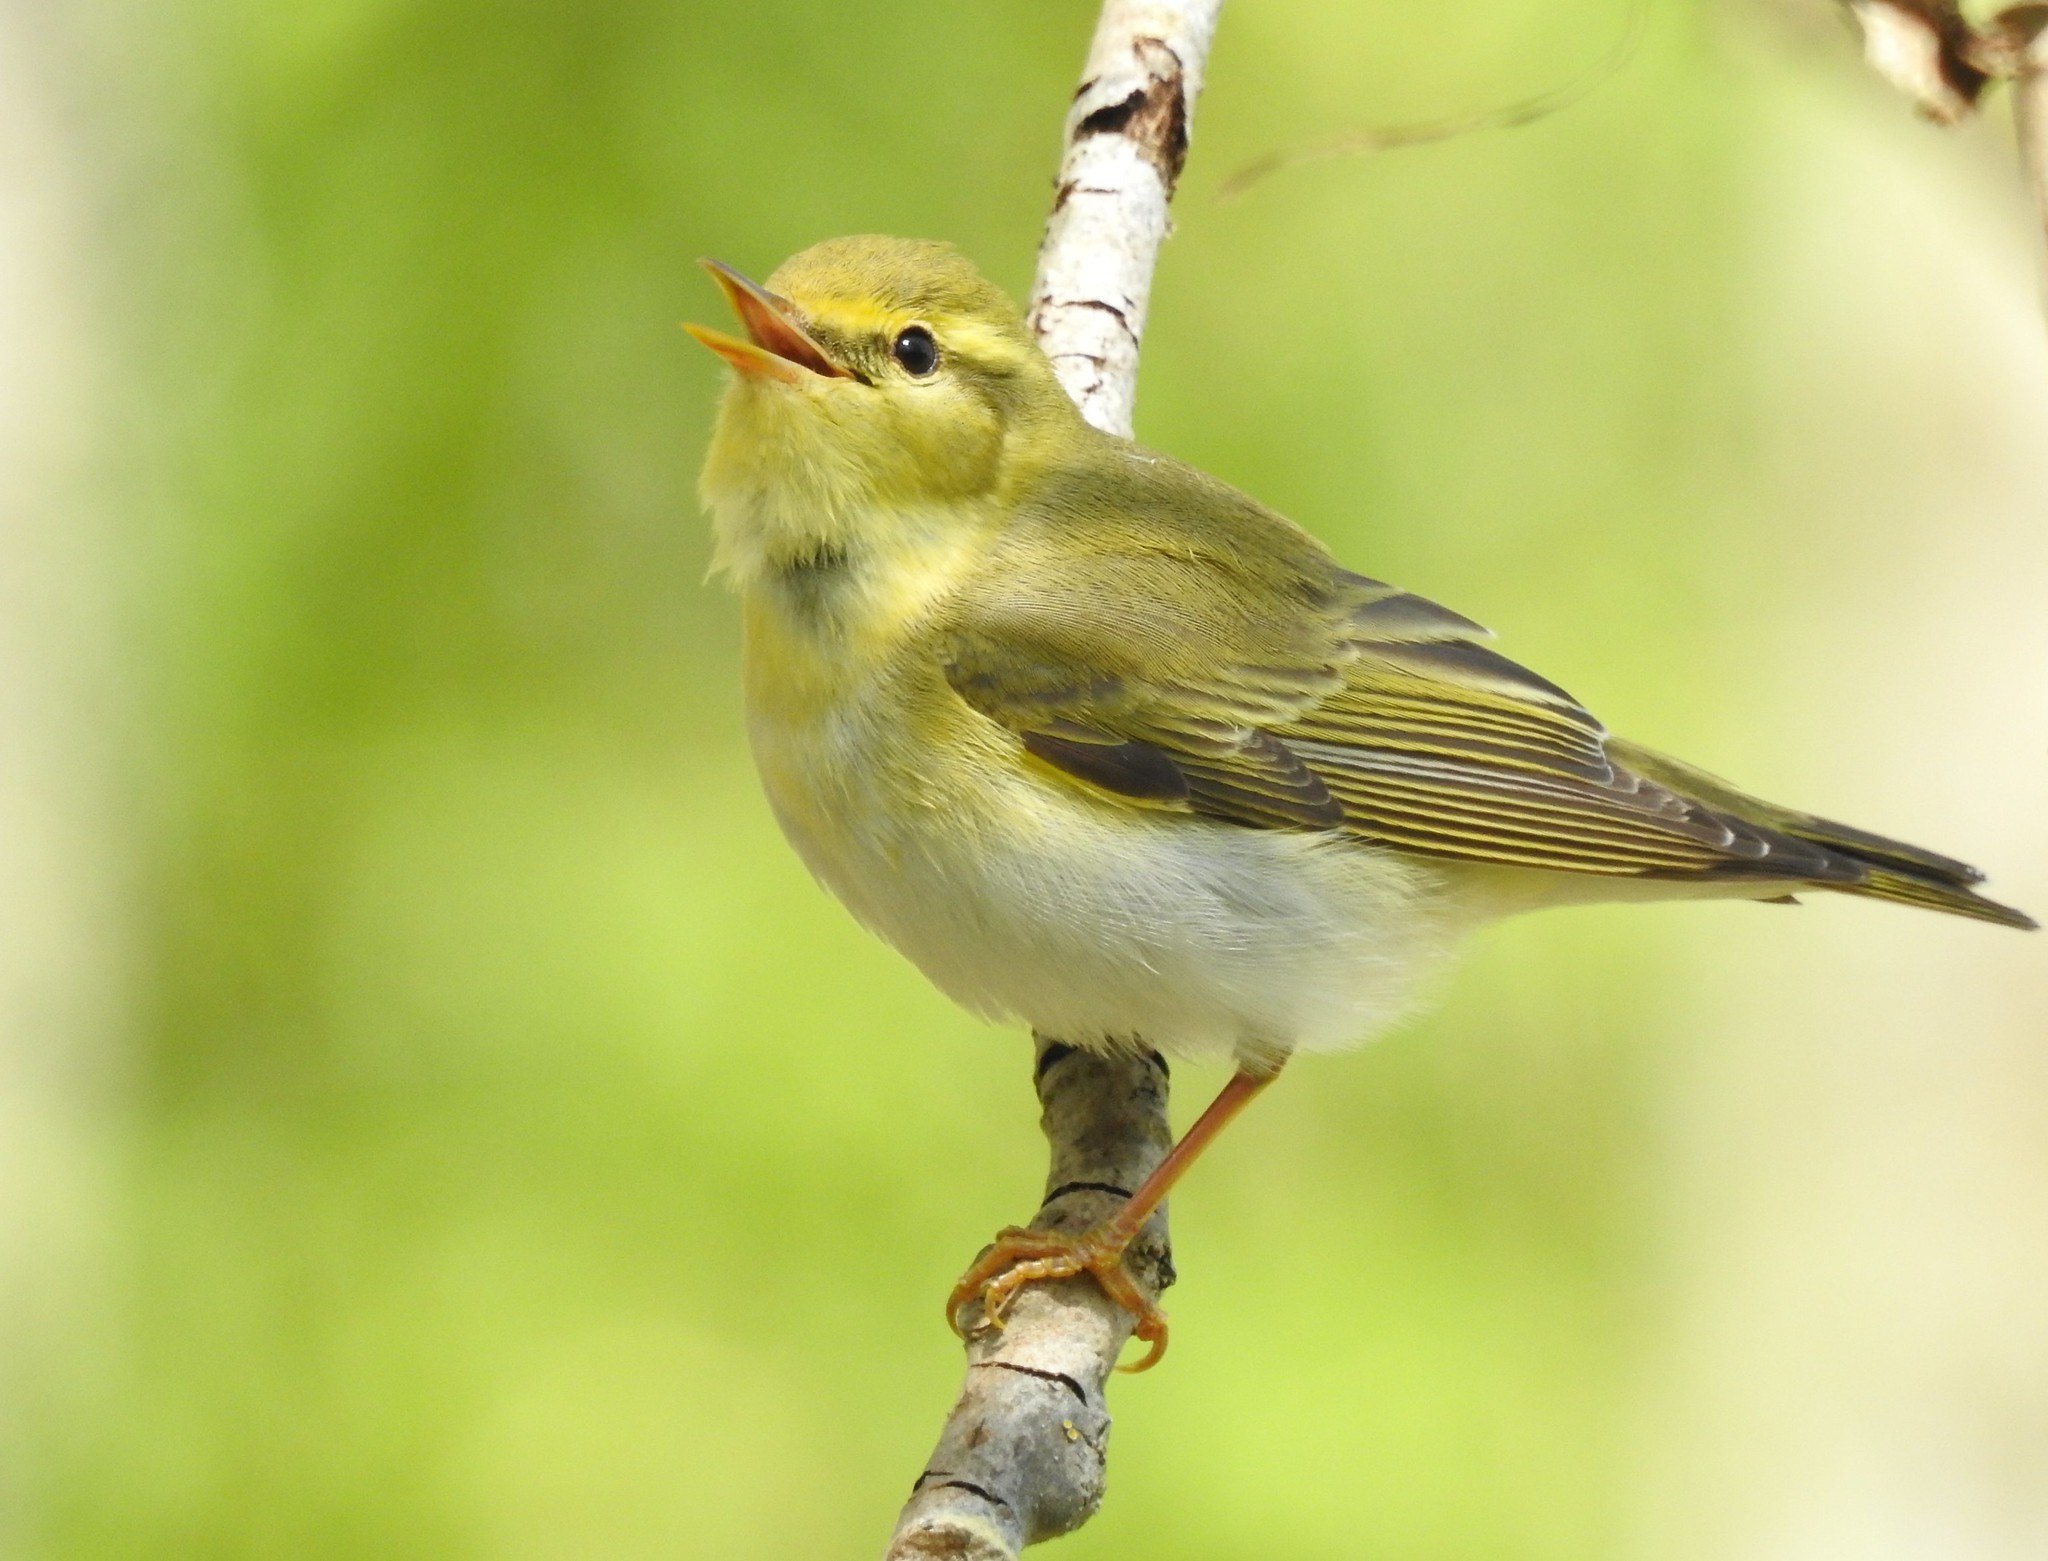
[{"x": 1106, "y": 926}]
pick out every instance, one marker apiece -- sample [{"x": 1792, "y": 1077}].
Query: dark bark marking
[
  {"x": 939, "y": 1480},
  {"x": 1066, "y": 1187},
  {"x": 1073, "y": 187},
  {"x": 1153, "y": 117},
  {"x": 1107, "y": 308},
  {"x": 1060, "y": 1377}
]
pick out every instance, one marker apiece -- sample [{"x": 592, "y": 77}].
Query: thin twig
[
  {"x": 1509, "y": 116},
  {"x": 1022, "y": 1456}
]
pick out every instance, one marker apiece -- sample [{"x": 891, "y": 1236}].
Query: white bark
[
  {"x": 1127, "y": 137},
  {"x": 1022, "y": 1455}
]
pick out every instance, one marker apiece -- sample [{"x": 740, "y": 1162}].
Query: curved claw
[
  {"x": 1153, "y": 1332},
  {"x": 1020, "y": 1257},
  {"x": 1013, "y": 1244}
]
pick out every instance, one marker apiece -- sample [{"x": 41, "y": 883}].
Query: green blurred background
[{"x": 438, "y": 1117}]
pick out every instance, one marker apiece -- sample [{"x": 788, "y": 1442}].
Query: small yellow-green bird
[{"x": 1105, "y": 746}]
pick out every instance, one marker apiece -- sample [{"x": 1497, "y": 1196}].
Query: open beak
[{"x": 778, "y": 347}]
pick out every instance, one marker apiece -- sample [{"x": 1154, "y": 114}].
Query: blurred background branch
[
  {"x": 1933, "y": 53},
  {"x": 1510, "y": 116}
]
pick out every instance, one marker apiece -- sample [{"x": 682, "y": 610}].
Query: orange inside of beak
[{"x": 777, "y": 348}]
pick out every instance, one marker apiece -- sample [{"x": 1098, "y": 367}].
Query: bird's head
[{"x": 874, "y": 374}]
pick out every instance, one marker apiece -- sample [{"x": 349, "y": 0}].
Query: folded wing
[{"x": 1260, "y": 684}]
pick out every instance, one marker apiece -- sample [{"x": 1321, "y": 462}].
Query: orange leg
[{"x": 1020, "y": 1257}]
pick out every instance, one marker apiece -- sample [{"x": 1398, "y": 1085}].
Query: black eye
[{"x": 915, "y": 350}]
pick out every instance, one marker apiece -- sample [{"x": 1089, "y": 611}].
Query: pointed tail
[
  {"x": 1905, "y": 874},
  {"x": 1875, "y": 867}
]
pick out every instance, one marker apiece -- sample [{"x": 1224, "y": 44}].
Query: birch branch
[
  {"x": 1127, "y": 137},
  {"x": 1023, "y": 1454}
]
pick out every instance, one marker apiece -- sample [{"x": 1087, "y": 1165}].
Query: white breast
[{"x": 1023, "y": 898}]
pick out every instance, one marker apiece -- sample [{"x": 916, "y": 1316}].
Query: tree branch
[
  {"x": 1022, "y": 1456},
  {"x": 1932, "y": 52},
  {"x": 1127, "y": 137}
]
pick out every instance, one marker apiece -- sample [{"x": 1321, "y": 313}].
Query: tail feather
[
  {"x": 1884, "y": 883},
  {"x": 1871, "y": 865},
  {"x": 1903, "y": 874}
]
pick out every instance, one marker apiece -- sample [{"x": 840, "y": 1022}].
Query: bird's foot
[{"x": 1020, "y": 1257}]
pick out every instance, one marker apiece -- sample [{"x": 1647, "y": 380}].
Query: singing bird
[{"x": 1107, "y": 747}]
